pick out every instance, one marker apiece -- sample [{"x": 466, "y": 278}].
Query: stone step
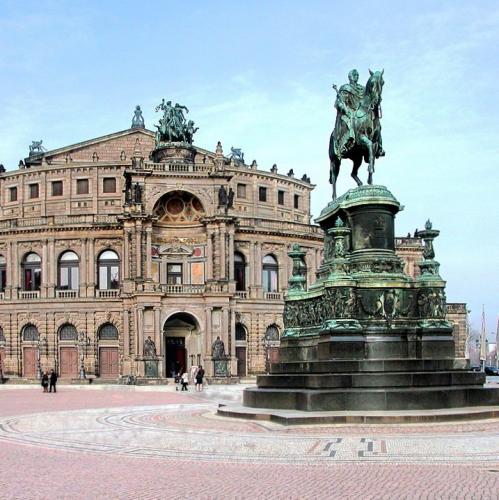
[
  {"x": 369, "y": 365},
  {"x": 385, "y": 399},
  {"x": 384, "y": 379}
]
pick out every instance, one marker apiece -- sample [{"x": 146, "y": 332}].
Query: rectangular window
[
  {"x": 109, "y": 185},
  {"x": 34, "y": 191},
  {"x": 241, "y": 190},
  {"x": 297, "y": 201},
  {"x": 13, "y": 193},
  {"x": 57, "y": 188},
  {"x": 262, "y": 194},
  {"x": 82, "y": 186},
  {"x": 280, "y": 197},
  {"x": 174, "y": 274},
  {"x": 3, "y": 278}
]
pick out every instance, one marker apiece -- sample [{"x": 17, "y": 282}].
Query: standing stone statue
[
  {"x": 222, "y": 196},
  {"x": 149, "y": 347},
  {"x": 357, "y": 130},
  {"x": 137, "y": 191},
  {"x": 218, "y": 349},
  {"x": 138, "y": 119}
]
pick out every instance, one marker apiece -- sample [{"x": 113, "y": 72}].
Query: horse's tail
[{"x": 331, "y": 147}]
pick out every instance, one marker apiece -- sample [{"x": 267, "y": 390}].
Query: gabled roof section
[{"x": 90, "y": 144}]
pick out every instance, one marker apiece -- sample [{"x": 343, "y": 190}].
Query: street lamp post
[{"x": 82, "y": 342}]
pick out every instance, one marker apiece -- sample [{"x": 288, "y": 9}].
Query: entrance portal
[
  {"x": 176, "y": 355},
  {"x": 182, "y": 343}
]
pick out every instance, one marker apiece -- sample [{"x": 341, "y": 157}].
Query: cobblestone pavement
[{"x": 120, "y": 442}]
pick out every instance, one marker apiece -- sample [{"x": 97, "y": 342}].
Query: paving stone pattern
[{"x": 119, "y": 443}]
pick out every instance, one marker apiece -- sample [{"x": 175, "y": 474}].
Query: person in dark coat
[
  {"x": 45, "y": 381},
  {"x": 53, "y": 380}
]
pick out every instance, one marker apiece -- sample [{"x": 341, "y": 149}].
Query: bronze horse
[{"x": 367, "y": 132}]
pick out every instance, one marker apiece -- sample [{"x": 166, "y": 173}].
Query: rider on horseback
[{"x": 348, "y": 100}]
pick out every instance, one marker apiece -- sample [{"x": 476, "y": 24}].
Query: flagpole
[{"x": 483, "y": 342}]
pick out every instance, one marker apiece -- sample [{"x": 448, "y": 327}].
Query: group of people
[
  {"x": 197, "y": 375},
  {"x": 49, "y": 381}
]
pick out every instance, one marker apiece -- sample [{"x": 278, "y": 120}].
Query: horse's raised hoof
[{"x": 370, "y": 179}]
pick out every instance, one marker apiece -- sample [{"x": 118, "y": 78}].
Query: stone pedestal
[
  {"x": 174, "y": 152},
  {"x": 365, "y": 336}
]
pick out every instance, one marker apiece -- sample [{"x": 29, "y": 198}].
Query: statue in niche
[
  {"x": 230, "y": 198},
  {"x": 218, "y": 349},
  {"x": 137, "y": 193},
  {"x": 149, "y": 347},
  {"x": 222, "y": 196}
]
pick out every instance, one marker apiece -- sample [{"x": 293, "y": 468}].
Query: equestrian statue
[{"x": 357, "y": 130}]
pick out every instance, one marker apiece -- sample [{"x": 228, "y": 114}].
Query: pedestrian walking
[
  {"x": 53, "y": 380},
  {"x": 185, "y": 381},
  {"x": 199, "y": 379},
  {"x": 45, "y": 381}
]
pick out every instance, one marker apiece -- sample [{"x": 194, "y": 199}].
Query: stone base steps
[
  {"x": 296, "y": 417},
  {"x": 371, "y": 380},
  {"x": 359, "y": 399}
]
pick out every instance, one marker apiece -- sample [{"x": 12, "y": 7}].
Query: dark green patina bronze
[
  {"x": 173, "y": 126},
  {"x": 357, "y": 130},
  {"x": 365, "y": 335}
]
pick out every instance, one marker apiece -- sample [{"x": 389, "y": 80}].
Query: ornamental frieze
[{"x": 432, "y": 303}]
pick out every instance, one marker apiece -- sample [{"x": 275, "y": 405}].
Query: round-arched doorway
[{"x": 182, "y": 343}]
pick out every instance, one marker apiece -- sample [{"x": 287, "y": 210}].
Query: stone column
[
  {"x": 231, "y": 255},
  {"x": 52, "y": 268},
  {"x": 126, "y": 255},
  {"x": 83, "y": 273},
  {"x": 208, "y": 365},
  {"x": 140, "y": 331},
  {"x": 91, "y": 270},
  {"x": 126, "y": 333},
  {"x": 138, "y": 249},
  {"x": 45, "y": 277},
  {"x": 225, "y": 328},
  {"x": 222, "y": 229},
  {"x": 16, "y": 272},
  {"x": 209, "y": 255},
  {"x": 258, "y": 262},
  {"x": 148, "y": 253},
  {"x": 11, "y": 266},
  {"x": 158, "y": 340}
]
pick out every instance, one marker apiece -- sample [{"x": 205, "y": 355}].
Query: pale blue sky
[{"x": 258, "y": 75}]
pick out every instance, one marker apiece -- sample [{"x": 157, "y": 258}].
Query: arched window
[
  {"x": 32, "y": 272},
  {"x": 68, "y": 332},
  {"x": 3, "y": 273},
  {"x": 269, "y": 274},
  {"x": 108, "y": 332},
  {"x": 240, "y": 332},
  {"x": 240, "y": 271},
  {"x": 272, "y": 333},
  {"x": 109, "y": 270},
  {"x": 69, "y": 271},
  {"x": 30, "y": 333}
]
